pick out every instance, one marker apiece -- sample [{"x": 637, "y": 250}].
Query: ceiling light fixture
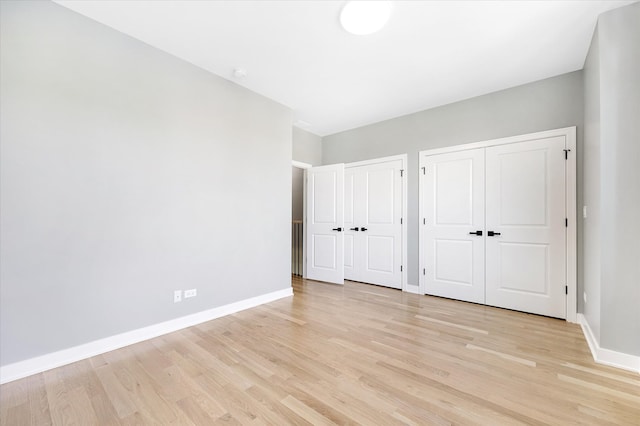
[{"x": 365, "y": 17}]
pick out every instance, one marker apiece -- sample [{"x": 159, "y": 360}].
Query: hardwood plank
[
  {"x": 119, "y": 397},
  {"x": 18, "y": 415},
  {"x": 502, "y": 355},
  {"x": 194, "y": 411},
  {"x": 306, "y": 412},
  {"x": 38, "y": 404}
]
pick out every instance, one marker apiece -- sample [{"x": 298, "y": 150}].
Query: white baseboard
[
  {"x": 607, "y": 356},
  {"x": 415, "y": 289},
  {"x": 18, "y": 370}
]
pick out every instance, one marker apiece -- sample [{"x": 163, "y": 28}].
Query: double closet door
[
  {"x": 372, "y": 222},
  {"x": 494, "y": 226},
  {"x": 354, "y": 222}
]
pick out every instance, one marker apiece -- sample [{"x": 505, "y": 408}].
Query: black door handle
[
  {"x": 353, "y": 229},
  {"x": 491, "y": 233},
  {"x": 363, "y": 229},
  {"x": 337, "y": 229},
  {"x": 475, "y": 233}
]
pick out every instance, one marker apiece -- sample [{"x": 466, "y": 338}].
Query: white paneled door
[
  {"x": 495, "y": 223},
  {"x": 325, "y": 223},
  {"x": 453, "y": 225},
  {"x": 525, "y": 222},
  {"x": 373, "y": 223}
]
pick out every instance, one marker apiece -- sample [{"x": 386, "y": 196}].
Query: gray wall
[
  {"x": 617, "y": 53},
  {"x": 591, "y": 192},
  {"x": 543, "y": 105},
  {"x": 307, "y": 147},
  {"x": 127, "y": 173}
]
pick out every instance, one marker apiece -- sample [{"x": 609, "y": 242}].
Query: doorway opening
[{"x": 297, "y": 217}]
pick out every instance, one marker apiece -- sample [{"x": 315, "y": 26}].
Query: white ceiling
[{"x": 430, "y": 53}]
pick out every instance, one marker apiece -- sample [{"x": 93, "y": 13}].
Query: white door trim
[
  {"x": 404, "y": 159},
  {"x": 572, "y": 228},
  {"x": 300, "y": 164},
  {"x": 570, "y": 181}
]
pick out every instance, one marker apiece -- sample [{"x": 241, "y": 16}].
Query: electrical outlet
[
  {"x": 190, "y": 293},
  {"x": 177, "y": 296},
  {"x": 584, "y": 296},
  {"x": 584, "y": 212}
]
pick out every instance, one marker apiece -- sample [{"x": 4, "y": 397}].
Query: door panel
[
  {"x": 324, "y": 248},
  {"x": 453, "y": 262},
  {"x": 453, "y": 206},
  {"x": 524, "y": 267},
  {"x": 325, "y": 207},
  {"x": 453, "y": 191},
  {"x": 380, "y": 253},
  {"x": 525, "y": 204},
  {"x": 523, "y": 182},
  {"x": 325, "y": 189},
  {"x": 381, "y": 194}
]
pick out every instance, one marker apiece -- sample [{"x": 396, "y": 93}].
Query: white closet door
[
  {"x": 373, "y": 229},
  {"x": 452, "y": 188},
  {"x": 325, "y": 223},
  {"x": 380, "y": 227},
  {"x": 525, "y": 209}
]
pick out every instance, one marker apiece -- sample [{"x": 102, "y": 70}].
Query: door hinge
[
  {"x": 566, "y": 222},
  {"x": 400, "y": 268},
  {"x": 424, "y": 170},
  {"x": 400, "y": 221},
  {"x": 566, "y": 289},
  {"x": 566, "y": 153},
  {"x": 424, "y": 221},
  {"x": 424, "y": 271},
  {"x": 401, "y": 172}
]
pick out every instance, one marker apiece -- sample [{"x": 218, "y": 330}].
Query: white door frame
[
  {"x": 304, "y": 166},
  {"x": 570, "y": 185},
  {"x": 403, "y": 158}
]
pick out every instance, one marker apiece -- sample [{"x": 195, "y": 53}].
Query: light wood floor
[{"x": 356, "y": 354}]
